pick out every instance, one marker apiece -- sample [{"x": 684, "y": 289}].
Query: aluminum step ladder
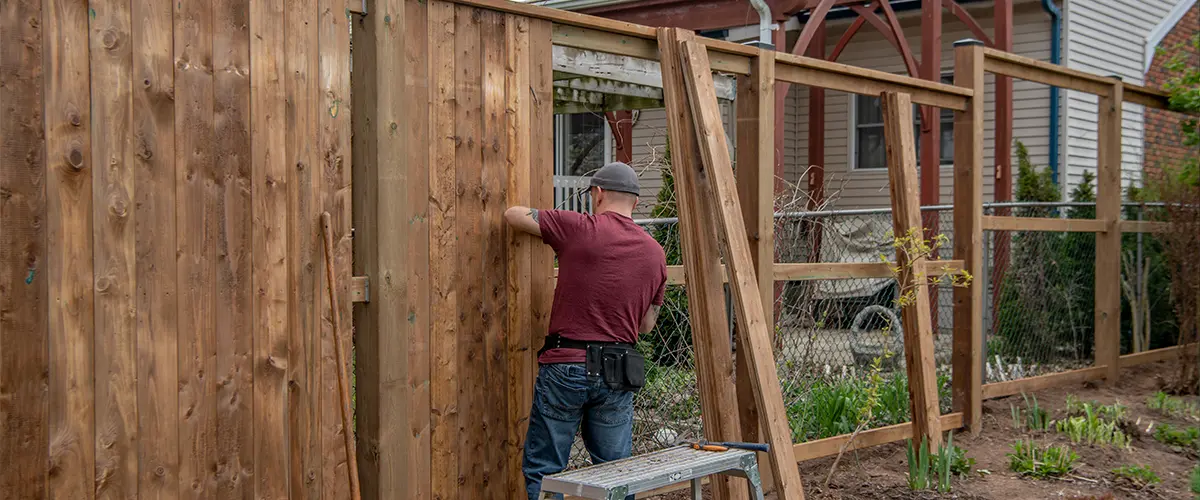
[{"x": 619, "y": 478}]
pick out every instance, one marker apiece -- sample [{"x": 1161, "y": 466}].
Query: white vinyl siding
[{"x": 1107, "y": 37}]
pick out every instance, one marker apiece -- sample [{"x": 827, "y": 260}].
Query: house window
[
  {"x": 582, "y": 144},
  {"x": 867, "y": 126}
]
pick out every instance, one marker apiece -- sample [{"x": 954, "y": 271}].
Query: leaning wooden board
[{"x": 717, "y": 168}]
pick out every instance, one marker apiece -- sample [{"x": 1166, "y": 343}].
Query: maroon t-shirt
[{"x": 609, "y": 272}]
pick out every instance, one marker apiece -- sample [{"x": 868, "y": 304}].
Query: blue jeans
[{"x": 563, "y": 396}]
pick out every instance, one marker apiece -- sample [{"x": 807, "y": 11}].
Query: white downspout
[{"x": 764, "y": 24}]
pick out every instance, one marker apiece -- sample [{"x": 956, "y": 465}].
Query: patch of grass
[
  {"x": 1032, "y": 416},
  {"x": 925, "y": 468},
  {"x": 1172, "y": 406},
  {"x": 1172, "y": 436},
  {"x": 1028, "y": 459},
  {"x": 1196, "y": 481},
  {"x": 1139, "y": 475},
  {"x": 1090, "y": 428}
]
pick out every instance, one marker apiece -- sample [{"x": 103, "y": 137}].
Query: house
[{"x": 1108, "y": 37}]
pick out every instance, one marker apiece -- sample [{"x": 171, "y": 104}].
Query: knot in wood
[
  {"x": 109, "y": 39},
  {"x": 146, "y": 83},
  {"x": 117, "y": 207},
  {"x": 160, "y": 471},
  {"x": 75, "y": 158},
  {"x": 103, "y": 284}
]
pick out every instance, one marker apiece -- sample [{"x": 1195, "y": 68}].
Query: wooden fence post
[
  {"x": 1108, "y": 243},
  {"x": 756, "y": 185},
  {"x": 702, "y": 264},
  {"x": 906, "y": 219},
  {"x": 968, "y": 235},
  {"x": 715, "y": 174}
]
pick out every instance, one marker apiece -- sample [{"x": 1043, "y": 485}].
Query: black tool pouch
[{"x": 622, "y": 368}]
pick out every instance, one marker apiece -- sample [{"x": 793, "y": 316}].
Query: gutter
[{"x": 1055, "y": 58}]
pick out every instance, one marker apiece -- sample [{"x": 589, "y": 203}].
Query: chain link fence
[{"x": 1038, "y": 317}]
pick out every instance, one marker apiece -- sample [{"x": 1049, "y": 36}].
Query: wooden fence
[
  {"x": 163, "y": 327},
  {"x": 163, "y": 332}
]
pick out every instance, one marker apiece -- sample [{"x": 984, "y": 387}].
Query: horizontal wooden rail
[
  {"x": 1031, "y": 384},
  {"x": 874, "y": 437},
  {"x": 851, "y": 270},
  {"x": 1153, "y": 356},
  {"x": 826, "y": 271},
  {"x": 1004, "y": 223},
  {"x": 1029, "y": 69},
  {"x": 1025, "y": 68},
  {"x": 829, "y": 75},
  {"x": 1143, "y": 226}
]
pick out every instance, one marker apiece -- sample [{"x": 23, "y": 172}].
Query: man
[{"x": 611, "y": 280}]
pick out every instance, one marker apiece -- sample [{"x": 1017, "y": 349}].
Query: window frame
[
  {"x": 561, "y": 126},
  {"x": 946, "y": 117}
]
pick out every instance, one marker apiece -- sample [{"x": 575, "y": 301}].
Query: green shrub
[
  {"x": 1030, "y": 460},
  {"x": 1171, "y": 436},
  {"x": 953, "y": 460},
  {"x": 1139, "y": 475}
]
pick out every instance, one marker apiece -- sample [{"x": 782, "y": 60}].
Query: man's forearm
[
  {"x": 649, "y": 319},
  {"x": 524, "y": 219}
]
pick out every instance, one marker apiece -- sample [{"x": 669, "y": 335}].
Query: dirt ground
[{"x": 880, "y": 472}]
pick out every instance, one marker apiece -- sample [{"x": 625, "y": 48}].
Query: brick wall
[{"x": 1164, "y": 143}]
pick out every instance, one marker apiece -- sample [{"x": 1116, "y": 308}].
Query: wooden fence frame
[{"x": 758, "y": 71}]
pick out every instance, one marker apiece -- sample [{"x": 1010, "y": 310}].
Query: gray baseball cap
[{"x": 617, "y": 176}]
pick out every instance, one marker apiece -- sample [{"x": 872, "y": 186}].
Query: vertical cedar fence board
[
  {"x": 163, "y": 168},
  {"x": 452, "y": 103},
  {"x": 165, "y": 330}
]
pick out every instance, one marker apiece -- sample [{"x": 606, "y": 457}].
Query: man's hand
[
  {"x": 523, "y": 218},
  {"x": 649, "y": 319}
]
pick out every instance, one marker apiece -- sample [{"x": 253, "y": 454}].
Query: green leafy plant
[
  {"x": 1085, "y": 424},
  {"x": 1183, "y": 438},
  {"x": 1029, "y": 459},
  {"x": 1172, "y": 406},
  {"x": 1139, "y": 475},
  {"x": 1196, "y": 481},
  {"x": 918, "y": 465},
  {"x": 1032, "y": 417}
]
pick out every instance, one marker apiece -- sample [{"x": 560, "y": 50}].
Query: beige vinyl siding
[
  {"x": 1106, "y": 37},
  {"x": 865, "y": 188}
]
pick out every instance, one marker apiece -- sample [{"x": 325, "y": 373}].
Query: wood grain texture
[
  {"x": 967, "y": 362},
  {"x": 300, "y": 113},
  {"x": 234, "y": 300},
  {"x": 69, "y": 200},
  {"x": 113, "y": 251},
  {"x": 494, "y": 146},
  {"x": 45, "y": 291},
  {"x": 271, "y": 296},
  {"x": 198, "y": 188},
  {"x": 420, "y": 151},
  {"x": 443, "y": 251},
  {"x": 333, "y": 184},
  {"x": 1032, "y": 384},
  {"x": 1010, "y": 223},
  {"x": 541, "y": 179},
  {"x": 468, "y": 164},
  {"x": 702, "y": 257},
  {"x": 906, "y": 222},
  {"x": 520, "y": 245},
  {"x": 1108, "y": 244},
  {"x": 343, "y": 379},
  {"x": 743, "y": 283},
  {"x": 755, "y": 178}
]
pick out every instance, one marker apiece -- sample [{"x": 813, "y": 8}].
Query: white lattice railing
[{"x": 567, "y": 191}]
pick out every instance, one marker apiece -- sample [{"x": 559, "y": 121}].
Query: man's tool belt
[{"x": 619, "y": 364}]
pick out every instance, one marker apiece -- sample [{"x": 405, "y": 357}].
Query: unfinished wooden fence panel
[
  {"x": 163, "y": 168},
  {"x": 453, "y": 104}
]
